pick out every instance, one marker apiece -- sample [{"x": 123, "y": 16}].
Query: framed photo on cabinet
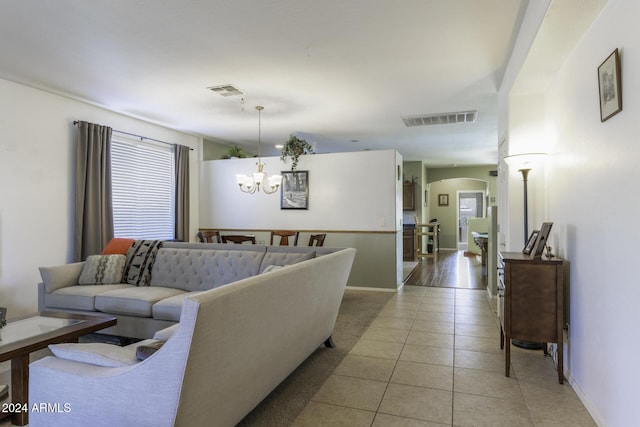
[
  {"x": 541, "y": 241},
  {"x": 533, "y": 238}
]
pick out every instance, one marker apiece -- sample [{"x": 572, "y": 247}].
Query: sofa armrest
[
  {"x": 61, "y": 276},
  {"x": 142, "y": 394}
]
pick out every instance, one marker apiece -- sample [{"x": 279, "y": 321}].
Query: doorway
[{"x": 470, "y": 205}]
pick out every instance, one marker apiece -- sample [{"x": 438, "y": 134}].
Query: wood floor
[{"x": 449, "y": 269}]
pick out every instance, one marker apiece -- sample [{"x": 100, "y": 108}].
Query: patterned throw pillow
[
  {"x": 140, "y": 258},
  {"x": 102, "y": 270}
]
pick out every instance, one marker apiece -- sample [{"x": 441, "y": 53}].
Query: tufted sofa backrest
[{"x": 203, "y": 269}]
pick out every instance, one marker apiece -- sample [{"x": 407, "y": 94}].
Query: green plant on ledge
[
  {"x": 294, "y": 148},
  {"x": 235, "y": 151}
]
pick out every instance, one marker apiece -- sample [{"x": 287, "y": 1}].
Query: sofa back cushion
[
  {"x": 283, "y": 255},
  {"x": 203, "y": 269}
]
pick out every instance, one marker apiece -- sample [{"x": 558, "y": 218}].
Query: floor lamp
[{"x": 524, "y": 163}]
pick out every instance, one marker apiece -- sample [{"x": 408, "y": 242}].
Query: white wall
[
  {"x": 37, "y": 162},
  {"x": 526, "y": 135},
  {"x": 347, "y": 191},
  {"x": 591, "y": 183},
  {"x": 355, "y": 197}
]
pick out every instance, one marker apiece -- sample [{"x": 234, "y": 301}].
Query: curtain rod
[{"x": 142, "y": 138}]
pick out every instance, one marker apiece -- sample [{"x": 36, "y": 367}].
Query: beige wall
[
  {"x": 447, "y": 215},
  {"x": 477, "y": 172}
]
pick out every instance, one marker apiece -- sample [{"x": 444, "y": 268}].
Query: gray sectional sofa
[
  {"x": 232, "y": 346},
  {"x": 179, "y": 270}
]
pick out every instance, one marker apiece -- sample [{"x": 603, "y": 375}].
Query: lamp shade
[{"x": 525, "y": 160}]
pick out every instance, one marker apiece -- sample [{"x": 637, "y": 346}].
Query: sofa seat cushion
[
  {"x": 79, "y": 297},
  {"x": 170, "y": 308},
  {"x": 133, "y": 301}
]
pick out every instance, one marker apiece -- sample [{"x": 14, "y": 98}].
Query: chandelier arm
[
  {"x": 271, "y": 189},
  {"x": 269, "y": 184}
]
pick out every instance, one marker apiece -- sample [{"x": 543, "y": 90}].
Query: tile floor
[{"x": 432, "y": 358}]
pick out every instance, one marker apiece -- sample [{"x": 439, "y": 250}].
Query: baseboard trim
[
  {"x": 369, "y": 289},
  {"x": 591, "y": 409}
]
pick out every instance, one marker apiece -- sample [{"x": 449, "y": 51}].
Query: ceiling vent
[
  {"x": 226, "y": 90},
  {"x": 441, "y": 118}
]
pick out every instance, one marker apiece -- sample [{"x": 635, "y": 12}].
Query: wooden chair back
[
  {"x": 208, "y": 236},
  {"x": 317, "y": 239},
  {"x": 284, "y": 237},
  {"x": 238, "y": 238}
]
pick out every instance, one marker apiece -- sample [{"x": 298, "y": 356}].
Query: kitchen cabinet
[{"x": 409, "y": 196}]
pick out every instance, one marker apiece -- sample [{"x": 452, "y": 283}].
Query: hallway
[{"x": 449, "y": 269}]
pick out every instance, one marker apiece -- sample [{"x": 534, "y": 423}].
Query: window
[{"x": 143, "y": 189}]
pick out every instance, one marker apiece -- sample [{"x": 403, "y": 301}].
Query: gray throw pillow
[{"x": 102, "y": 270}]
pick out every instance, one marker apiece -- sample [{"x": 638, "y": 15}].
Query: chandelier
[{"x": 252, "y": 183}]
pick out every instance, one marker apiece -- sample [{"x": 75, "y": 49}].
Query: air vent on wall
[
  {"x": 441, "y": 118},
  {"x": 226, "y": 90}
]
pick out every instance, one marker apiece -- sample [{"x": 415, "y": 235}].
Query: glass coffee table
[{"x": 34, "y": 332}]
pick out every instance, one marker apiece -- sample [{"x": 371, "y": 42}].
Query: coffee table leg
[{"x": 20, "y": 389}]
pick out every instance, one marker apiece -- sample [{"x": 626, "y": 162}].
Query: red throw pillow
[{"x": 117, "y": 246}]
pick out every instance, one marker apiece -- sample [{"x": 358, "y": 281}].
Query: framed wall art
[
  {"x": 294, "y": 193},
  {"x": 610, "y": 86},
  {"x": 443, "y": 200}
]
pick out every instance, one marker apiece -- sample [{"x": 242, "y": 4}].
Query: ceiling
[{"x": 339, "y": 73}]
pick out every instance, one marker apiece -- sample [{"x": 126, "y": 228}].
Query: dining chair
[
  {"x": 317, "y": 239},
  {"x": 284, "y": 237},
  {"x": 208, "y": 236},
  {"x": 238, "y": 238}
]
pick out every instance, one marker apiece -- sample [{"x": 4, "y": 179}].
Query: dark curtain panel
[
  {"x": 94, "y": 206},
  {"x": 182, "y": 192}
]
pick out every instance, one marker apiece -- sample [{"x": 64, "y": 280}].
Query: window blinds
[{"x": 143, "y": 189}]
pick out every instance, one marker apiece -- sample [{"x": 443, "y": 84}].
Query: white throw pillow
[{"x": 100, "y": 354}]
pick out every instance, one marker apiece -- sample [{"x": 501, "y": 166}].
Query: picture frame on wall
[
  {"x": 610, "y": 86},
  {"x": 531, "y": 242},
  {"x": 294, "y": 192},
  {"x": 443, "y": 200}
]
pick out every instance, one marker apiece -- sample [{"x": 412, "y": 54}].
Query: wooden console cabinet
[{"x": 530, "y": 306}]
